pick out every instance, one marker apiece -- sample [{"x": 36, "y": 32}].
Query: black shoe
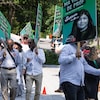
[{"x": 58, "y": 90}]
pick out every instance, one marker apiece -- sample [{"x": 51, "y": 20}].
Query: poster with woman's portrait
[
  {"x": 79, "y": 20},
  {"x": 57, "y": 27}
]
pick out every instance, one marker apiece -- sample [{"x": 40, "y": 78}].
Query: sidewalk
[{"x": 50, "y": 82}]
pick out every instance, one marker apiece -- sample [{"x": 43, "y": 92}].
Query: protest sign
[
  {"x": 27, "y": 30},
  {"x": 5, "y": 28},
  {"x": 38, "y": 23},
  {"x": 57, "y": 27},
  {"x": 79, "y": 20}
]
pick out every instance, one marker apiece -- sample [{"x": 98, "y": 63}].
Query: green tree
[
  {"x": 19, "y": 12},
  {"x": 9, "y": 8},
  {"x": 98, "y": 16}
]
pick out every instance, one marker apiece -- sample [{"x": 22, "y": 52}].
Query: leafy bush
[{"x": 51, "y": 57}]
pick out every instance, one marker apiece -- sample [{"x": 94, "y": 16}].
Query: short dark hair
[{"x": 18, "y": 44}]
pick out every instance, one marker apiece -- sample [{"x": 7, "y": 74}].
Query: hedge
[{"x": 51, "y": 57}]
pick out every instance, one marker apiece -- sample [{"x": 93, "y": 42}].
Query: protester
[
  {"x": 24, "y": 42},
  {"x": 83, "y": 28},
  {"x": 20, "y": 87},
  {"x": 10, "y": 60},
  {"x": 72, "y": 69},
  {"x": 1, "y": 47},
  {"x": 34, "y": 60},
  {"x": 58, "y": 49},
  {"x": 60, "y": 87},
  {"x": 24, "y": 39},
  {"x": 91, "y": 81},
  {"x": 25, "y": 47}
]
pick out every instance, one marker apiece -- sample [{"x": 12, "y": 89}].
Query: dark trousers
[
  {"x": 73, "y": 92},
  {"x": 60, "y": 86}
]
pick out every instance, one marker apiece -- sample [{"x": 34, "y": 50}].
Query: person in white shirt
[
  {"x": 20, "y": 76},
  {"x": 25, "y": 47},
  {"x": 58, "y": 49},
  {"x": 72, "y": 71},
  {"x": 10, "y": 60},
  {"x": 34, "y": 59}
]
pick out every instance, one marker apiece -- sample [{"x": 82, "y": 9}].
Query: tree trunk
[{"x": 11, "y": 15}]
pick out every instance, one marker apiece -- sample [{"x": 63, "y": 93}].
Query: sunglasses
[
  {"x": 25, "y": 38},
  {"x": 16, "y": 48},
  {"x": 29, "y": 42}
]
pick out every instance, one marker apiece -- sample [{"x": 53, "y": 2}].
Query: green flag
[
  {"x": 57, "y": 27},
  {"x": 5, "y": 28},
  {"x": 27, "y": 30},
  {"x": 38, "y": 23}
]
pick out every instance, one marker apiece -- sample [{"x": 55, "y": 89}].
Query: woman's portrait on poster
[{"x": 83, "y": 27}]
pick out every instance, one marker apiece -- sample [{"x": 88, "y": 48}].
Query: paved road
[{"x": 51, "y": 83}]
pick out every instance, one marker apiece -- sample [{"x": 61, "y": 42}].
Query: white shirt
[
  {"x": 8, "y": 61},
  {"x": 34, "y": 67},
  {"x": 72, "y": 69}
]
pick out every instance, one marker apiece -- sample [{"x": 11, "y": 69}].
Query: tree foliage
[
  {"x": 19, "y": 12},
  {"x": 98, "y": 16}
]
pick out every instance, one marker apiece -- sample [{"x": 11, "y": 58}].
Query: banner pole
[{"x": 78, "y": 48}]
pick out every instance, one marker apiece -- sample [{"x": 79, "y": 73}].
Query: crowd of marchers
[{"x": 20, "y": 65}]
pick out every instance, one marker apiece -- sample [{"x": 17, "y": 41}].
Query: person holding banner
[
  {"x": 10, "y": 60},
  {"x": 33, "y": 67},
  {"x": 25, "y": 47},
  {"x": 72, "y": 69},
  {"x": 83, "y": 27}
]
